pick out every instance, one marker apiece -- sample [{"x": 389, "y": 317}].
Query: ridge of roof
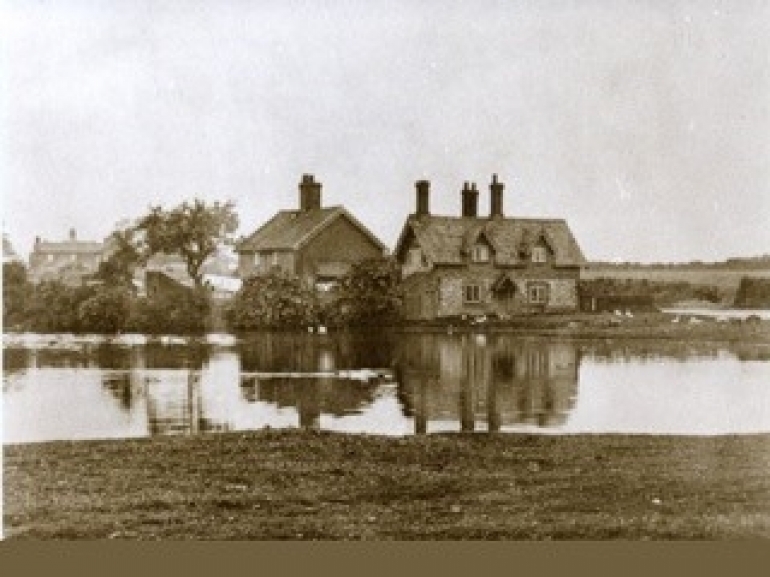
[{"x": 292, "y": 229}]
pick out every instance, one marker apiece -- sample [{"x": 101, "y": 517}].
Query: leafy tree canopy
[
  {"x": 370, "y": 293},
  {"x": 193, "y": 230}
]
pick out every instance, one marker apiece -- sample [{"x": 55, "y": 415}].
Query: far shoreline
[{"x": 667, "y": 325}]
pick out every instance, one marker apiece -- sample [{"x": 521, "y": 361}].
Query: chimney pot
[
  {"x": 309, "y": 193},
  {"x": 423, "y": 197},
  {"x": 73, "y": 234},
  {"x": 496, "y": 198},
  {"x": 470, "y": 200}
]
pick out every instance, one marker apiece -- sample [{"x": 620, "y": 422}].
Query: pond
[{"x": 75, "y": 388}]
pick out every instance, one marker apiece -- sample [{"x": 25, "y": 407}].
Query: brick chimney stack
[
  {"x": 496, "y": 198},
  {"x": 470, "y": 200},
  {"x": 73, "y": 234},
  {"x": 423, "y": 197},
  {"x": 309, "y": 193}
]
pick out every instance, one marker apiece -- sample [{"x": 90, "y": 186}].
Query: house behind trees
[
  {"x": 480, "y": 265},
  {"x": 69, "y": 261},
  {"x": 316, "y": 243}
]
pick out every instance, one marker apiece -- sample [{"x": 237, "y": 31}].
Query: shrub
[
  {"x": 370, "y": 294},
  {"x": 107, "y": 311},
  {"x": 16, "y": 290},
  {"x": 180, "y": 313},
  {"x": 53, "y": 307},
  {"x": 274, "y": 300}
]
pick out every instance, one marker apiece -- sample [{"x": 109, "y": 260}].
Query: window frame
[
  {"x": 537, "y": 293},
  {"x": 472, "y": 293},
  {"x": 480, "y": 253},
  {"x": 539, "y": 254}
]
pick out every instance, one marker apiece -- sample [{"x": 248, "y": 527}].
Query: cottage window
[
  {"x": 472, "y": 293},
  {"x": 538, "y": 293},
  {"x": 415, "y": 257},
  {"x": 539, "y": 254},
  {"x": 480, "y": 253},
  {"x": 256, "y": 259},
  {"x": 50, "y": 258},
  {"x": 275, "y": 259}
]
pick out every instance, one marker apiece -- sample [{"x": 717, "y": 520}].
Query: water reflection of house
[
  {"x": 303, "y": 352},
  {"x": 311, "y": 396},
  {"x": 492, "y": 380}
]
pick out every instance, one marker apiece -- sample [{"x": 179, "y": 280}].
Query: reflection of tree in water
[
  {"x": 119, "y": 386},
  {"x": 303, "y": 352},
  {"x": 15, "y": 360},
  {"x": 311, "y": 397},
  {"x": 500, "y": 380},
  {"x": 750, "y": 352},
  {"x": 189, "y": 356},
  {"x": 175, "y": 408}
]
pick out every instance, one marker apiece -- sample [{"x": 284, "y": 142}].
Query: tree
[
  {"x": 274, "y": 300},
  {"x": 370, "y": 293},
  {"x": 125, "y": 255},
  {"x": 16, "y": 290},
  {"x": 107, "y": 311},
  {"x": 192, "y": 230},
  {"x": 53, "y": 307}
]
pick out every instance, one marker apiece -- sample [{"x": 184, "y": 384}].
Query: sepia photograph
[{"x": 385, "y": 271}]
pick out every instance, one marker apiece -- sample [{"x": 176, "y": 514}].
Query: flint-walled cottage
[
  {"x": 316, "y": 243},
  {"x": 485, "y": 265}
]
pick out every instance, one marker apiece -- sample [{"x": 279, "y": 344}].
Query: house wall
[
  {"x": 44, "y": 265},
  {"x": 341, "y": 241},
  {"x": 441, "y": 292},
  {"x": 286, "y": 261}
]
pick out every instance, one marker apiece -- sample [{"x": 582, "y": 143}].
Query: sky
[{"x": 644, "y": 124}]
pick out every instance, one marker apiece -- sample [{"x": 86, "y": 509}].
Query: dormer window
[
  {"x": 539, "y": 254},
  {"x": 480, "y": 253},
  {"x": 415, "y": 256}
]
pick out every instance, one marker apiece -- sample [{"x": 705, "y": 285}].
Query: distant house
[
  {"x": 69, "y": 261},
  {"x": 318, "y": 244},
  {"x": 477, "y": 265}
]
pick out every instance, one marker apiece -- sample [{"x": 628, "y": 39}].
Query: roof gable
[{"x": 292, "y": 229}]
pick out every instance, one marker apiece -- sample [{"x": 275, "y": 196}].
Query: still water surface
[{"x": 70, "y": 389}]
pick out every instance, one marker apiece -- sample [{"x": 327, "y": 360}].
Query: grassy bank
[
  {"x": 303, "y": 485},
  {"x": 609, "y": 326}
]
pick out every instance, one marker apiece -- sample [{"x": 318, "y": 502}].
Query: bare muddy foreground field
[{"x": 310, "y": 485}]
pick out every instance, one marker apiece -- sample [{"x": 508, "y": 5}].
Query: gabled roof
[
  {"x": 291, "y": 229},
  {"x": 445, "y": 239}
]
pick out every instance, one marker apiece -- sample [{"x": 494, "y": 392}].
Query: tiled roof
[
  {"x": 446, "y": 239},
  {"x": 290, "y": 229},
  {"x": 69, "y": 247}
]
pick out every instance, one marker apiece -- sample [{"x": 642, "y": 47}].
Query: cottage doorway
[{"x": 505, "y": 295}]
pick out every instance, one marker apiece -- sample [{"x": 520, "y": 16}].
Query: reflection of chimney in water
[{"x": 467, "y": 413}]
